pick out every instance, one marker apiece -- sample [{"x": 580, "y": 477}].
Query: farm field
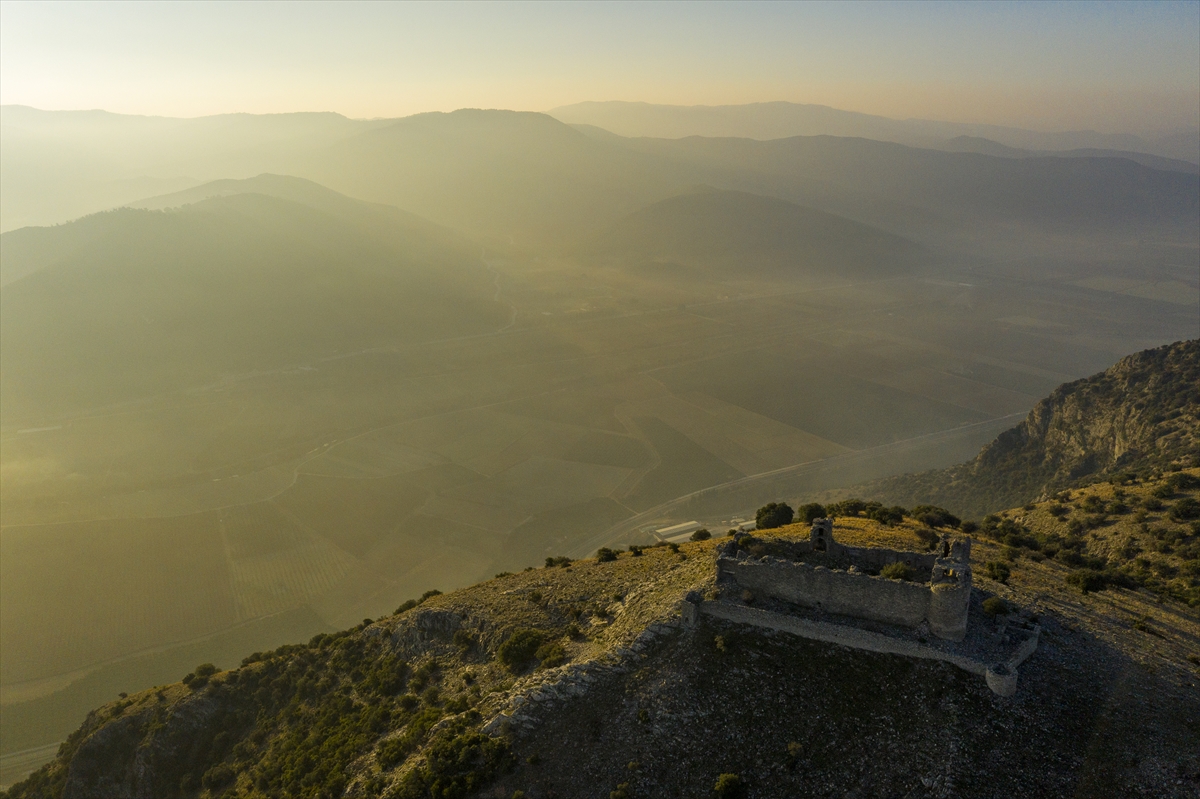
[{"x": 343, "y": 486}]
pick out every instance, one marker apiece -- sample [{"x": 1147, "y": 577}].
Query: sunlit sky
[{"x": 1113, "y": 67}]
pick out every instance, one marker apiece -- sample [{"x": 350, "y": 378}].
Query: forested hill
[{"x": 1142, "y": 412}]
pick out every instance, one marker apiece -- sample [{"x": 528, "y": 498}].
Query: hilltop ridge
[{"x": 473, "y": 693}]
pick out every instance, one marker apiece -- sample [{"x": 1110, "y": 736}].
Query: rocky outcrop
[{"x": 1143, "y": 412}]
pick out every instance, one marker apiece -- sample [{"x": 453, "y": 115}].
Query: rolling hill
[
  {"x": 735, "y": 234},
  {"x": 134, "y": 302}
]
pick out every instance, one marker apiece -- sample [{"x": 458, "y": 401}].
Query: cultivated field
[{"x": 342, "y": 486}]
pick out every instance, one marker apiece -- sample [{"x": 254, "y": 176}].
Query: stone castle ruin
[{"x": 918, "y": 604}]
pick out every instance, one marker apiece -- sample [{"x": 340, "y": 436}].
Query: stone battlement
[
  {"x": 824, "y": 574},
  {"x": 838, "y": 596}
]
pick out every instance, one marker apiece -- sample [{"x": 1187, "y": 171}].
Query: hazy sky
[{"x": 1113, "y": 67}]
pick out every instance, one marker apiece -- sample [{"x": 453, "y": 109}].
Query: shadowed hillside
[
  {"x": 134, "y": 302},
  {"x": 735, "y": 234}
]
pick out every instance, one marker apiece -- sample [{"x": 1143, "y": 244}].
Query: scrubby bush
[
  {"x": 774, "y": 514},
  {"x": 1182, "y": 481},
  {"x": 635, "y": 550},
  {"x": 520, "y": 649},
  {"x": 1087, "y": 580},
  {"x": 604, "y": 554},
  {"x": 701, "y": 535},
  {"x": 561, "y": 560},
  {"x": 847, "y": 507},
  {"x": 551, "y": 654},
  {"x": 729, "y": 786},
  {"x": 897, "y": 571},
  {"x": 995, "y": 606},
  {"x": 997, "y": 570},
  {"x": 928, "y": 537},
  {"x": 1184, "y": 509},
  {"x": 934, "y": 516}
]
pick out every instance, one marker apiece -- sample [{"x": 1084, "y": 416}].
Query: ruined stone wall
[
  {"x": 845, "y": 593},
  {"x": 835, "y": 634},
  {"x": 874, "y": 559}
]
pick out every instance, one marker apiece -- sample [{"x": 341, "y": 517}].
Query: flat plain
[{"x": 345, "y": 484}]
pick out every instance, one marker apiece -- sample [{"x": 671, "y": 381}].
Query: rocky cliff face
[{"x": 1140, "y": 414}]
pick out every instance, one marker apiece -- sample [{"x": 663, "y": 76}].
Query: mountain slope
[
  {"x": 1141, "y": 413},
  {"x": 610, "y": 693},
  {"x": 135, "y": 302},
  {"x": 519, "y": 176},
  {"x": 739, "y": 234}
]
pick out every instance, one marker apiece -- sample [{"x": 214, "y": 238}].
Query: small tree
[
  {"x": 774, "y": 514},
  {"x": 604, "y": 554},
  {"x": 811, "y": 512},
  {"x": 701, "y": 535},
  {"x": 520, "y": 649}
]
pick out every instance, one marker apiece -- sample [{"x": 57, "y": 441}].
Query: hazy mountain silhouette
[
  {"x": 977, "y": 144},
  {"x": 133, "y": 302},
  {"x": 498, "y": 173},
  {"x": 907, "y": 189},
  {"x": 59, "y": 165},
  {"x": 738, "y": 234},
  {"x": 779, "y": 120}
]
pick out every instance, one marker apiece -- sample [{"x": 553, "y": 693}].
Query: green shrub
[
  {"x": 897, "y": 571},
  {"x": 934, "y": 516},
  {"x": 701, "y": 535},
  {"x": 622, "y": 792},
  {"x": 774, "y": 514},
  {"x": 886, "y": 516},
  {"x": 997, "y": 570},
  {"x": 520, "y": 649},
  {"x": 635, "y": 550},
  {"x": 928, "y": 537},
  {"x": 847, "y": 507},
  {"x": 811, "y": 512},
  {"x": 1185, "y": 509},
  {"x": 551, "y": 654},
  {"x": 561, "y": 560},
  {"x": 729, "y": 786},
  {"x": 995, "y": 606},
  {"x": 604, "y": 554},
  {"x": 1087, "y": 580}
]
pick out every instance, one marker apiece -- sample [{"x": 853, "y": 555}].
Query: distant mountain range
[
  {"x": 529, "y": 180},
  {"x": 779, "y": 120}
]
